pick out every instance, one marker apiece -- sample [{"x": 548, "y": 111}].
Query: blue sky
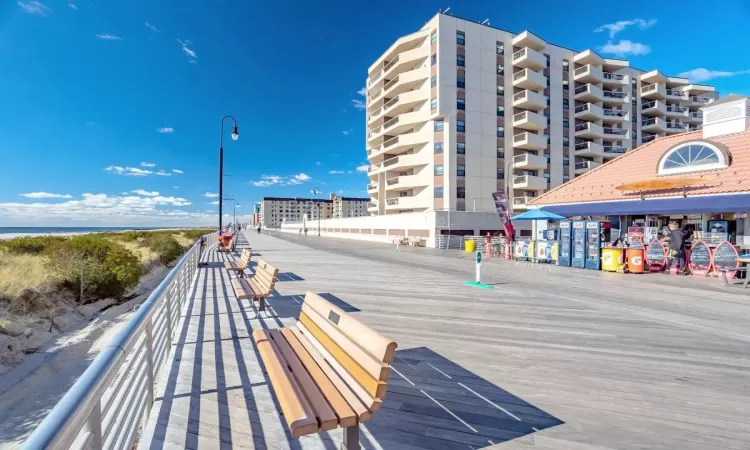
[{"x": 93, "y": 93}]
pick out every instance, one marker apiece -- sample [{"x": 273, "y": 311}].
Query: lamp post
[
  {"x": 235, "y": 136},
  {"x": 316, "y": 193}
]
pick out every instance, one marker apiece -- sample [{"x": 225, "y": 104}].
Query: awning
[{"x": 689, "y": 205}]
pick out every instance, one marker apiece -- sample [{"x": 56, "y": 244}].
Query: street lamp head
[{"x": 235, "y": 133}]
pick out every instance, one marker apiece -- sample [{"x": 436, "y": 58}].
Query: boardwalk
[{"x": 552, "y": 358}]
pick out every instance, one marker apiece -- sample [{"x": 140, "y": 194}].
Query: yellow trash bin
[
  {"x": 611, "y": 259},
  {"x": 469, "y": 246}
]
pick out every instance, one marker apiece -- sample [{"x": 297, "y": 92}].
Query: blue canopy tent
[{"x": 534, "y": 215}]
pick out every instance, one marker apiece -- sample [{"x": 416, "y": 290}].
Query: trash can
[
  {"x": 469, "y": 246},
  {"x": 635, "y": 260},
  {"x": 611, "y": 259}
]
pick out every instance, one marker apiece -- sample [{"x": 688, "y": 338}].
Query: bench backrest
[
  {"x": 245, "y": 257},
  {"x": 358, "y": 354},
  {"x": 265, "y": 278}
]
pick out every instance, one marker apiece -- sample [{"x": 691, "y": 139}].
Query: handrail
[{"x": 104, "y": 396}]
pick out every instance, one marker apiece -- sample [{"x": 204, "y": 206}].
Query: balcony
[
  {"x": 588, "y": 130},
  {"x": 676, "y": 111},
  {"x": 396, "y": 203},
  {"x": 522, "y": 201},
  {"x": 530, "y": 100},
  {"x": 589, "y": 148},
  {"x": 589, "y": 111},
  {"x": 531, "y": 40},
  {"x": 405, "y": 61},
  {"x": 407, "y": 161},
  {"x": 529, "y": 161},
  {"x": 404, "y": 122},
  {"x": 654, "y": 125},
  {"x": 615, "y": 79},
  {"x": 529, "y": 141},
  {"x": 529, "y": 120},
  {"x": 405, "y": 102},
  {"x": 405, "y": 182},
  {"x": 585, "y": 166},
  {"x": 372, "y": 207},
  {"x": 649, "y": 137},
  {"x": 614, "y": 133},
  {"x": 405, "y": 82},
  {"x": 405, "y": 141},
  {"x": 674, "y": 94},
  {"x": 700, "y": 101},
  {"x": 529, "y": 79},
  {"x": 588, "y": 74},
  {"x": 653, "y": 108},
  {"x": 676, "y": 127},
  {"x": 589, "y": 93},
  {"x": 530, "y": 182},
  {"x": 613, "y": 151},
  {"x": 615, "y": 115},
  {"x": 528, "y": 58},
  {"x": 615, "y": 97},
  {"x": 588, "y": 57},
  {"x": 694, "y": 116},
  {"x": 372, "y": 188},
  {"x": 373, "y": 169},
  {"x": 654, "y": 91}
]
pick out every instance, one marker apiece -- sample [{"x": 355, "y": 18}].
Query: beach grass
[{"x": 23, "y": 274}]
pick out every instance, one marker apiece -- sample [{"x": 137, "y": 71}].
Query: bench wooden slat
[
  {"x": 372, "y": 403},
  {"x": 361, "y": 411},
  {"x": 378, "y": 370},
  {"x": 341, "y": 408},
  {"x": 380, "y": 347},
  {"x": 239, "y": 290},
  {"x": 297, "y": 413},
  {"x": 327, "y": 420}
]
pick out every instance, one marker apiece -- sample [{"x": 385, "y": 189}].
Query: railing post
[
  {"x": 94, "y": 427},
  {"x": 168, "y": 341},
  {"x": 149, "y": 365}
]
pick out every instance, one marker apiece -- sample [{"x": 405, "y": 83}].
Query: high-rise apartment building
[
  {"x": 276, "y": 210},
  {"x": 458, "y": 109}
]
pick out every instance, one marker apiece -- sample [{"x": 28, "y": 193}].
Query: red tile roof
[{"x": 599, "y": 184}]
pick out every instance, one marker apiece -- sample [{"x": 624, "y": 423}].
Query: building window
[
  {"x": 460, "y": 170},
  {"x": 460, "y": 38},
  {"x": 546, "y": 116},
  {"x": 433, "y": 103},
  {"x": 461, "y": 82},
  {"x": 566, "y": 65},
  {"x": 433, "y": 37},
  {"x": 547, "y": 155},
  {"x": 566, "y": 178},
  {"x": 566, "y": 142},
  {"x": 438, "y": 147},
  {"x": 461, "y": 148},
  {"x": 634, "y": 135},
  {"x": 460, "y": 104},
  {"x": 565, "y": 103},
  {"x": 501, "y": 111},
  {"x": 500, "y": 174},
  {"x": 501, "y": 153},
  {"x": 546, "y": 136},
  {"x": 460, "y": 125},
  {"x": 460, "y": 61},
  {"x": 548, "y": 102},
  {"x": 692, "y": 157},
  {"x": 500, "y": 131},
  {"x": 566, "y": 161},
  {"x": 547, "y": 56},
  {"x": 460, "y": 192},
  {"x": 501, "y": 90},
  {"x": 433, "y": 81},
  {"x": 500, "y": 48},
  {"x": 566, "y": 123},
  {"x": 439, "y": 192},
  {"x": 439, "y": 125},
  {"x": 500, "y": 69},
  {"x": 434, "y": 59},
  {"x": 546, "y": 176},
  {"x": 566, "y": 84},
  {"x": 634, "y": 118},
  {"x": 438, "y": 170}
]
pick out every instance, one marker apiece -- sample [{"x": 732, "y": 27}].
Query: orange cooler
[{"x": 636, "y": 262}]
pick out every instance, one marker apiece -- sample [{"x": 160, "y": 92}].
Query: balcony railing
[
  {"x": 617, "y": 131},
  {"x": 675, "y": 126},
  {"x": 372, "y": 186},
  {"x": 372, "y": 205},
  {"x": 522, "y": 200},
  {"x": 374, "y": 96},
  {"x": 390, "y": 102},
  {"x": 519, "y": 96},
  {"x": 615, "y": 94},
  {"x": 390, "y": 142},
  {"x": 390, "y": 162},
  {"x": 648, "y": 105},
  {"x": 580, "y": 89},
  {"x": 648, "y": 121},
  {"x": 696, "y": 115},
  {"x": 392, "y": 201},
  {"x": 614, "y": 149},
  {"x": 390, "y": 84},
  {"x": 582, "y": 108},
  {"x": 648, "y": 138},
  {"x": 675, "y": 93},
  {"x": 520, "y": 74},
  {"x": 520, "y": 116},
  {"x": 520, "y": 136},
  {"x": 375, "y": 77},
  {"x": 583, "y": 145},
  {"x": 390, "y": 64},
  {"x": 614, "y": 113},
  {"x": 649, "y": 88},
  {"x": 373, "y": 167},
  {"x": 391, "y": 122},
  {"x": 522, "y": 158},
  {"x": 519, "y": 53},
  {"x": 614, "y": 76},
  {"x": 581, "y": 70},
  {"x": 582, "y": 165},
  {"x": 582, "y": 126},
  {"x": 676, "y": 109},
  {"x": 702, "y": 100},
  {"x": 391, "y": 181}
]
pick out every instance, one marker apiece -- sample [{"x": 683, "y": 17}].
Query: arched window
[{"x": 692, "y": 157}]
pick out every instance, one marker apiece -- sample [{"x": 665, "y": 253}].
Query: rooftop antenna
[
  {"x": 486, "y": 21},
  {"x": 447, "y": 10}
]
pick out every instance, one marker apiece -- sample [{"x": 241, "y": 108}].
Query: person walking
[
  {"x": 677, "y": 237},
  {"x": 258, "y": 229}
]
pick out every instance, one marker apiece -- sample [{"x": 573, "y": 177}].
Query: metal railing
[
  {"x": 113, "y": 397},
  {"x": 613, "y": 76},
  {"x": 581, "y": 70}
]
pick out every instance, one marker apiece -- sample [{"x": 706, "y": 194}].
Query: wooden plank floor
[{"x": 552, "y": 358}]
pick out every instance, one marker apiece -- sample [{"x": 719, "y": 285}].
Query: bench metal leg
[{"x": 351, "y": 438}]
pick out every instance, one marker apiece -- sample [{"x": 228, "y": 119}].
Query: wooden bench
[
  {"x": 258, "y": 287},
  {"x": 238, "y": 266},
  {"x": 329, "y": 370},
  {"x": 415, "y": 241}
]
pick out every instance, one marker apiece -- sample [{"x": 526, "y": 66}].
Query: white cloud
[
  {"x": 271, "y": 180},
  {"x": 347, "y": 132},
  {"x": 624, "y": 48},
  {"x": 163, "y": 173},
  {"x": 177, "y": 171},
  {"x": 188, "y": 51},
  {"x": 165, "y": 130},
  {"x": 363, "y": 168},
  {"x": 151, "y": 27},
  {"x": 45, "y": 195},
  {"x": 144, "y": 193},
  {"x": 302, "y": 177},
  {"x": 702, "y": 74},
  {"x": 34, "y": 7},
  {"x": 128, "y": 171},
  {"x": 214, "y": 203},
  {"x": 614, "y": 28},
  {"x": 359, "y": 104},
  {"x": 362, "y": 92},
  {"x": 72, "y": 6},
  {"x": 317, "y": 163},
  {"x": 175, "y": 187},
  {"x": 108, "y": 37},
  {"x": 335, "y": 172},
  {"x": 211, "y": 195},
  {"x": 147, "y": 164}
]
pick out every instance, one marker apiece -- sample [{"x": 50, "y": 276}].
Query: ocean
[{"x": 11, "y": 232}]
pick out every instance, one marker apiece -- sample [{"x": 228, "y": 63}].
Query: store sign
[
  {"x": 700, "y": 259},
  {"x": 656, "y": 256},
  {"x": 726, "y": 258}
]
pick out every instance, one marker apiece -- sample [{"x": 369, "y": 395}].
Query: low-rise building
[
  {"x": 344, "y": 207},
  {"x": 277, "y": 210}
]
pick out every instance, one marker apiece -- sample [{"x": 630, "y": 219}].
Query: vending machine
[
  {"x": 578, "y": 245},
  {"x": 564, "y": 245},
  {"x": 597, "y": 232}
]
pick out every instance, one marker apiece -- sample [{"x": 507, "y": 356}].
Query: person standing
[{"x": 677, "y": 237}]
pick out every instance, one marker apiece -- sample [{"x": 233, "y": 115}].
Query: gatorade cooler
[
  {"x": 636, "y": 261},
  {"x": 469, "y": 246}
]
